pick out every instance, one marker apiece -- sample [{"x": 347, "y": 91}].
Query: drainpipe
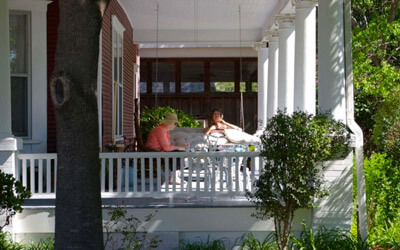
[{"x": 354, "y": 127}]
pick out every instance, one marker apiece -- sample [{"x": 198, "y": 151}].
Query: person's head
[
  {"x": 216, "y": 115},
  {"x": 170, "y": 120}
]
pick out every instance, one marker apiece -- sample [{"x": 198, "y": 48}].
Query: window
[
  {"x": 20, "y": 70},
  {"x": 117, "y": 55},
  {"x": 143, "y": 78},
  {"x": 192, "y": 77},
  {"x": 222, "y": 77},
  {"x": 249, "y": 77},
  {"x": 163, "y": 77}
]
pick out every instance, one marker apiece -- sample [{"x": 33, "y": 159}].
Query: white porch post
[
  {"x": 8, "y": 144},
  {"x": 331, "y": 71},
  {"x": 273, "y": 41},
  {"x": 5, "y": 88},
  {"x": 286, "y": 61},
  {"x": 262, "y": 84},
  {"x": 305, "y": 58}
]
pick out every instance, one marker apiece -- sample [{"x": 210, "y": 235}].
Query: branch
[{"x": 393, "y": 10}]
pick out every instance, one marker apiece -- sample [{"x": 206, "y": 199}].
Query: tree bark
[{"x": 73, "y": 92}]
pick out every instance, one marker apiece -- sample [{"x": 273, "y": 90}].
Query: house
[{"x": 194, "y": 55}]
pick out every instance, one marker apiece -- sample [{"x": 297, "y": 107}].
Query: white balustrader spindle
[
  {"x": 126, "y": 167},
  {"x": 166, "y": 160},
  {"x": 182, "y": 159},
  {"x": 17, "y": 169},
  {"x": 190, "y": 179},
  {"x": 198, "y": 169},
  {"x": 103, "y": 175},
  {"x": 174, "y": 174},
  {"x": 32, "y": 168},
  {"x": 151, "y": 175},
  {"x": 40, "y": 176},
  {"x": 119, "y": 174},
  {"x": 206, "y": 175},
  {"x": 135, "y": 171},
  {"x": 143, "y": 175},
  {"x": 24, "y": 174},
  {"x": 158, "y": 174},
  {"x": 245, "y": 176},
  {"x": 55, "y": 175},
  {"x": 237, "y": 174},
  {"x": 110, "y": 175},
  {"x": 48, "y": 176},
  {"x": 253, "y": 170},
  {"x": 229, "y": 172},
  {"x": 213, "y": 174},
  {"x": 221, "y": 173}
]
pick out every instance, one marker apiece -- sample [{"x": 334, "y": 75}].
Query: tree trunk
[{"x": 73, "y": 92}]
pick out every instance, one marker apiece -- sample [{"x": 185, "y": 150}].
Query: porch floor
[{"x": 146, "y": 202}]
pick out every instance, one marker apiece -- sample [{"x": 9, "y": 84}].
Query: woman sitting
[
  {"x": 218, "y": 124},
  {"x": 159, "y": 139}
]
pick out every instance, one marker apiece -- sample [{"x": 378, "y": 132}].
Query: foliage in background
[
  {"x": 386, "y": 133},
  {"x": 382, "y": 185},
  {"x": 131, "y": 228},
  {"x": 151, "y": 117},
  {"x": 327, "y": 239},
  {"x": 249, "y": 242},
  {"x": 201, "y": 244},
  {"x": 376, "y": 62},
  {"x": 12, "y": 195},
  {"x": 291, "y": 178},
  {"x": 376, "y": 59},
  {"x": 7, "y": 244}
]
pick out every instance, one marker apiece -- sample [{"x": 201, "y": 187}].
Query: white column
[
  {"x": 8, "y": 144},
  {"x": 5, "y": 87},
  {"x": 305, "y": 56},
  {"x": 262, "y": 84},
  {"x": 286, "y": 62},
  {"x": 331, "y": 73},
  {"x": 273, "y": 41}
]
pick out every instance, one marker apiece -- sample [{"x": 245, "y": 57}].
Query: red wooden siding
[
  {"x": 52, "y": 27},
  {"x": 129, "y": 56}
]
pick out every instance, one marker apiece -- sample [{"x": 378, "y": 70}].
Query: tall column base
[{"x": 8, "y": 147}]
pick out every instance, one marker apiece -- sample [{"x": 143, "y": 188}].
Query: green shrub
[
  {"x": 151, "y": 117},
  {"x": 7, "y": 244},
  {"x": 326, "y": 239},
  {"x": 249, "y": 242},
  {"x": 291, "y": 178},
  {"x": 386, "y": 132},
  {"x": 41, "y": 245},
  {"x": 12, "y": 195},
  {"x": 382, "y": 186},
  {"x": 202, "y": 244},
  {"x": 385, "y": 235},
  {"x": 131, "y": 228}
]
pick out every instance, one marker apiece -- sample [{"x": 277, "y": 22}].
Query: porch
[
  {"x": 146, "y": 175},
  {"x": 209, "y": 203}
]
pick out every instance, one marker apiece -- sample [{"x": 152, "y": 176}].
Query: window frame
[
  {"x": 117, "y": 36},
  {"x": 28, "y": 73}
]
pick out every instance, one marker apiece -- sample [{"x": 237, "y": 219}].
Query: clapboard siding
[
  {"x": 129, "y": 55},
  {"x": 52, "y": 28},
  {"x": 129, "y": 58}
]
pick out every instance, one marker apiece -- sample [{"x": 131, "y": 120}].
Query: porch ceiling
[{"x": 212, "y": 23}]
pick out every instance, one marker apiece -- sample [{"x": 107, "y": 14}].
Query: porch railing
[{"x": 207, "y": 174}]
